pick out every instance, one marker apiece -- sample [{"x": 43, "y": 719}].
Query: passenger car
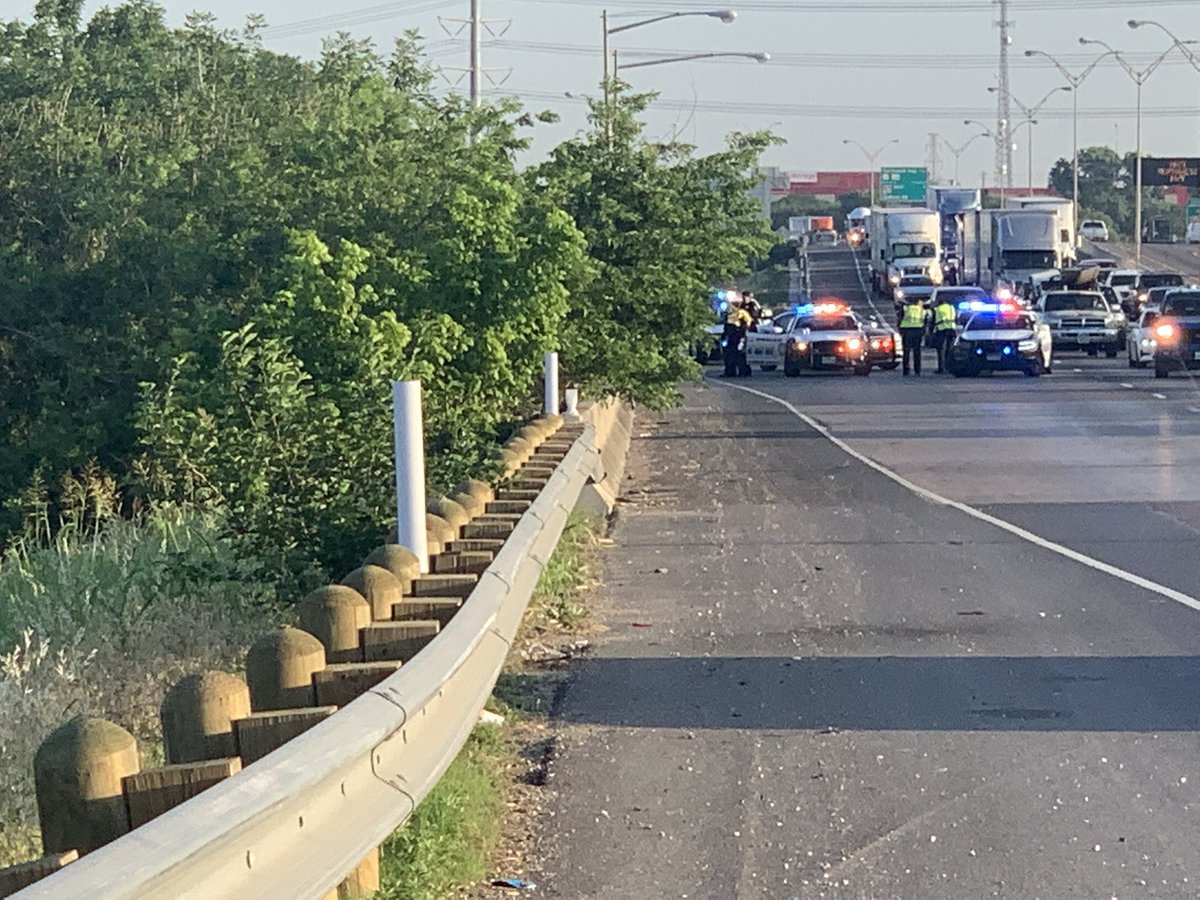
[
  {"x": 826, "y": 337},
  {"x": 1093, "y": 230},
  {"x": 1121, "y": 280},
  {"x": 1140, "y": 344},
  {"x": 1177, "y": 333},
  {"x": 1146, "y": 281},
  {"x": 1083, "y": 320},
  {"x": 1193, "y": 233},
  {"x": 1002, "y": 341},
  {"x": 883, "y": 344}
]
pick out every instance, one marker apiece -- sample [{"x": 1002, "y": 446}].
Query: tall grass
[{"x": 101, "y": 620}]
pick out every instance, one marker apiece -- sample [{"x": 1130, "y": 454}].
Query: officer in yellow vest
[
  {"x": 943, "y": 331},
  {"x": 914, "y": 319},
  {"x": 737, "y": 325}
]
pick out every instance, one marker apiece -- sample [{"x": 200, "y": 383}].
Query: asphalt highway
[{"x": 895, "y": 638}]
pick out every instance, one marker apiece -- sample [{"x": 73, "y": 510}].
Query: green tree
[{"x": 662, "y": 226}]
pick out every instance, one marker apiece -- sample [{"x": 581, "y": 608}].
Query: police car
[
  {"x": 1001, "y": 337},
  {"x": 826, "y": 336}
]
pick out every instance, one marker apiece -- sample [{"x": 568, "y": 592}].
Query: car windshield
[
  {"x": 957, "y": 295},
  {"x": 1122, "y": 280},
  {"x": 1162, "y": 279},
  {"x": 913, "y": 250},
  {"x": 1030, "y": 259},
  {"x": 1064, "y": 301},
  {"x": 999, "y": 322},
  {"x": 830, "y": 323},
  {"x": 1182, "y": 303},
  {"x": 1093, "y": 224}
]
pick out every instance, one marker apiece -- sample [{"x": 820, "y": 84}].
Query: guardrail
[{"x": 298, "y": 820}]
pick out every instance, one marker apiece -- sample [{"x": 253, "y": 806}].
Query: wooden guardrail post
[
  {"x": 440, "y": 533},
  {"x": 17, "y": 877},
  {"x": 333, "y": 615},
  {"x": 279, "y": 669},
  {"x": 400, "y": 561},
  {"x": 473, "y": 496},
  {"x": 379, "y": 587},
  {"x": 78, "y": 771},
  {"x": 197, "y": 717}
]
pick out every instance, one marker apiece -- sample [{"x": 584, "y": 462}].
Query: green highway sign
[
  {"x": 903, "y": 184},
  {"x": 1193, "y": 209}
]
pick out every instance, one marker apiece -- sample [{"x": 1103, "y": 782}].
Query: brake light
[{"x": 1165, "y": 332}]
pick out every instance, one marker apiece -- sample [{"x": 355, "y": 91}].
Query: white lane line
[
  {"x": 932, "y": 497},
  {"x": 1159, "y": 396},
  {"x": 1124, "y": 385},
  {"x": 1194, "y": 409},
  {"x": 1077, "y": 370}
]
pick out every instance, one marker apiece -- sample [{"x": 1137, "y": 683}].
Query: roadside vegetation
[
  {"x": 217, "y": 257},
  {"x": 450, "y": 843}
]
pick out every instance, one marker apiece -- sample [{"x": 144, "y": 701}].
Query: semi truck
[
  {"x": 1066, "y": 217},
  {"x": 858, "y": 224},
  {"x": 1007, "y": 247},
  {"x": 906, "y": 245},
  {"x": 951, "y": 204}
]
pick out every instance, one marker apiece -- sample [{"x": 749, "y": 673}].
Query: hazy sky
[{"x": 871, "y": 70}]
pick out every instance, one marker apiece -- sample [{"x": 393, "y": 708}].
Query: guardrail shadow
[{"x": 911, "y": 693}]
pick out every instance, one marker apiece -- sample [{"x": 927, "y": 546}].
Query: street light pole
[
  {"x": 958, "y": 151},
  {"x": 871, "y": 158},
  {"x": 1030, "y": 112},
  {"x": 1139, "y": 78},
  {"x": 1075, "y": 81}
]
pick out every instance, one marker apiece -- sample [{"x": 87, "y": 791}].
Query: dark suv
[{"x": 1177, "y": 333}]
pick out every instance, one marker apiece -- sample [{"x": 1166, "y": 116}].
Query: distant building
[{"x": 828, "y": 185}]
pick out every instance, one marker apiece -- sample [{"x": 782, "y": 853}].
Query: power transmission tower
[
  {"x": 477, "y": 26},
  {"x": 1004, "y": 103}
]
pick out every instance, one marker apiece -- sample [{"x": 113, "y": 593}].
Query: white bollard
[
  {"x": 571, "y": 396},
  {"x": 410, "y": 469},
  {"x": 551, "y": 406}
]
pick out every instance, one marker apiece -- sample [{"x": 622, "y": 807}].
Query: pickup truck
[
  {"x": 1177, "y": 333},
  {"x": 1083, "y": 320}
]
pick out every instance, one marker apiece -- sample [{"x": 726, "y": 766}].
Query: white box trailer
[{"x": 1066, "y": 215}]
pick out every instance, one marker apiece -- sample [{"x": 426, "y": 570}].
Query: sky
[{"x": 870, "y": 71}]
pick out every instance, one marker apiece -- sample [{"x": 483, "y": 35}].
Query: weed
[
  {"x": 101, "y": 621},
  {"x": 449, "y": 840},
  {"x": 556, "y": 600}
]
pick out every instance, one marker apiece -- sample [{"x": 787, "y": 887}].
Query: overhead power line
[
  {"x": 927, "y": 61},
  {"x": 350, "y": 17},
  {"x": 876, "y": 7},
  {"x": 844, "y": 111}
]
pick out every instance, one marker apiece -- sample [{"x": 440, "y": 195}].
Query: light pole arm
[
  {"x": 725, "y": 15},
  {"x": 758, "y": 57}
]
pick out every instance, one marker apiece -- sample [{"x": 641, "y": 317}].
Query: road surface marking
[
  {"x": 932, "y": 497},
  {"x": 1124, "y": 385},
  {"x": 1159, "y": 396}
]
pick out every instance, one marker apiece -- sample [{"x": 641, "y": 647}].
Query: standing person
[
  {"x": 751, "y": 306},
  {"x": 943, "y": 331},
  {"x": 914, "y": 318},
  {"x": 733, "y": 339}
]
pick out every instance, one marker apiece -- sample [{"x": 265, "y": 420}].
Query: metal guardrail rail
[{"x": 295, "y": 822}]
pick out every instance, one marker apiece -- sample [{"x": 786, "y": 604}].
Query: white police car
[
  {"x": 826, "y": 336},
  {"x": 1002, "y": 338}
]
